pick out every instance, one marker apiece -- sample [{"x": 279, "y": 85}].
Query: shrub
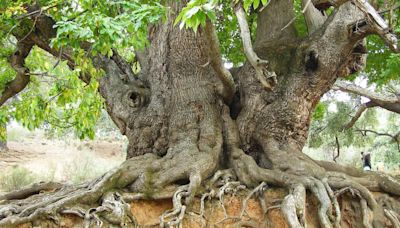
[{"x": 16, "y": 178}]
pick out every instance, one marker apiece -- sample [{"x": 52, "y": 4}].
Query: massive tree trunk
[{"x": 182, "y": 128}]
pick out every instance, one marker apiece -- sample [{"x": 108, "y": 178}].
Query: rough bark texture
[{"x": 181, "y": 130}]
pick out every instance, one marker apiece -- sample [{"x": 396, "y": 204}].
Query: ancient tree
[{"x": 191, "y": 121}]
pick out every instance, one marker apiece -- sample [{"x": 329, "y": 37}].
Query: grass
[
  {"x": 15, "y": 178},
  {"x": 82, "y": 168}
]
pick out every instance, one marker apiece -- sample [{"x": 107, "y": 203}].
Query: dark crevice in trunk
[
  {"x": 257, "y": 153},
  {"x": 235, "y": 107}
]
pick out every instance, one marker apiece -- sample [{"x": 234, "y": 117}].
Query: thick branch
[
  {"x": 390, "y": 103},
  {"x": 22, "y": 78},
  {"x": 215, "y": 59},
  {"x": 377, "y": 23},
  {"x": 358, "y": 114},
  {"x": 266, "y": 78},
  {"x": 314, "y": 18}
]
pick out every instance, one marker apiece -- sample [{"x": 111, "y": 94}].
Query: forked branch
[
  {"x": 22, "y": 78},
  {"x": 265, "y": 77},
  {"x": 377, "y": 23},
  {"x": 391, "y": 103},
  {"x": 359, "y": 112},
  {"x": 394, "y": 137}
]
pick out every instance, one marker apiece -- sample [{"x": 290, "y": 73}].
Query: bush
[
  {"x": 16, "y": 178},
  {"x": 82, "y": 168}
]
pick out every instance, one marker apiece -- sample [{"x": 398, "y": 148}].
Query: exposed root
[
  {"x": 148, "y": 174},
  {"x": 319, "y": 183},
  {"x": 319, "y": 190},
  {"x": 152, "y": 177},
  {"x": 209, "y": 196},
  {"x": 31, "y": 190},
  {"x": 335, "y": 204},
  {"x": 259, "y": 190},
  {"x": 363, "y": 203},
  {"x": 221, "y": 177},
  {"x": 393, "y": 217},
  {"x": 293, "y": 206},
  {"x": 178, "y": 211},
  {"x": 229, "y": 187},
  {"x": 365, "y": 213}
]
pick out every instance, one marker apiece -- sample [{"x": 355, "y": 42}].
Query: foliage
[
  {"x": 331, "y": 115},
  {"x": 381, "y": 74},
  {"x": 56, "y": 97}
]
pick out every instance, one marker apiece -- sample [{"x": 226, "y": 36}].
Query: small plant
[
  {"x": 79, "y": 170},
  {"x": 16, "y": 178},
  {"x": 82, "y": 168}
]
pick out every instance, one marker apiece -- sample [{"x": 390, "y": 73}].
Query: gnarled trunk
[{"x": 182, "y": 129}]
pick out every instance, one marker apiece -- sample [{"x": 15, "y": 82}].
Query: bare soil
[{"x": 55, "y": 157}]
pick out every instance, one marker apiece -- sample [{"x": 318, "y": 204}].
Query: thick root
[
  {"x": 335, "y": 204},
  {"x": 104, "y": 201},
  {"x": 293, "y": 206},
  {"x": 113, "y": 209},
  {"x": 320, "y": 183},
  {"x": 320, "y": 191},
  {"x": 145, "y": 174},
  {"x": 393, "y": 217}
]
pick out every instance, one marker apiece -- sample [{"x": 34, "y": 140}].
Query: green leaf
[{"x": 256, "y": 3}]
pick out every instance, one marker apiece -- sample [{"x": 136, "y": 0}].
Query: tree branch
[
  {"x": 363, "y": 107},
  {"x": 22, "y": 78},
  {"x": 395, "y": 137},
  {"x": 265, "y": 77},
  {"x": 338, "y": 148},
  {"x": 377, "y": 23},
  {"x": 228, "y": 89},
  {"x": 313, "y": 17},
  {"x": 391, "y": 103}
]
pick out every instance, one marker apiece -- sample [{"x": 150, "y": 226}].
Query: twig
[
  {"x": 31, "y": 30},
  {"x": 395, "y": 137},
  {"x": 338, "y": 148},
  {"x": 37, "y": 11}
]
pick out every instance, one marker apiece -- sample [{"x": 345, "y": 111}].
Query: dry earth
[{"x": 63, "y": 160}]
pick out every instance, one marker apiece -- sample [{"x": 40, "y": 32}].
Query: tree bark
[{"x": 182, "y": 129}]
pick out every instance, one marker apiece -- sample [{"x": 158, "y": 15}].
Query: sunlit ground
[{"x": 36, "y": 156}]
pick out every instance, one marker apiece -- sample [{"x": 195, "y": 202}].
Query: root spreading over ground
[{"x": 183, "y": 176}]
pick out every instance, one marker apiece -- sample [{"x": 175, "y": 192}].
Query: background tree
[{"x": 185, "y": 115}]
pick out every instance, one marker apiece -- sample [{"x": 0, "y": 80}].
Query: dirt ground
[{"x": 63, "y": 159}]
